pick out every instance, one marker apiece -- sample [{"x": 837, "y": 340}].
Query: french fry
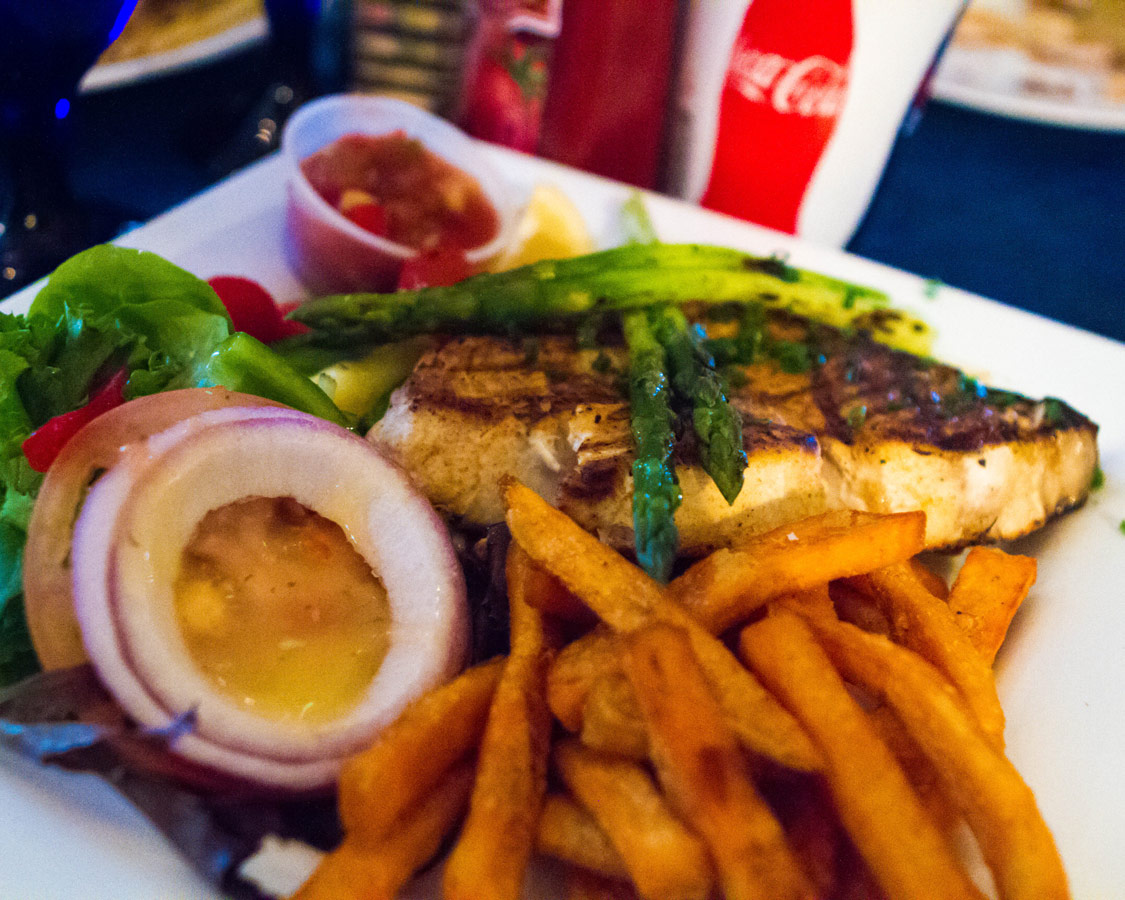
[
  {"x": 986, "y": 593},
  {"x": 548, "y": 595},
  {"x": 726, "y": 587},
  {"x": 626, "y": 599},
  {"x": 712, "y": 582},
  {"x": 929, "y": 579},
  {"x": 926, "y": 625},
  {"x": 855, "y": 879},
  {"x": 611, "y": 720},
  {"x": 491, "y": 854},
  {"x": 411, "y": 755},
  {"x": 358, "y": 870},
  {"x": 583, "y": 885},
  {"x": 653, "y": 682},
  {"x": 918, "y": 769},
  {"x": 812, "y": 602},
  {"x": 854, "y": 605},
  {"x": 921, "y": 771},
  {"x": 701, "y": 767},
  {"x": 907, "y": 853},
  {"x": 589, "y": 694},
  {"x": 572, "y": 674},
  {"x": 757, "y": 719},
  {"x": 578, "y": 664},
  {"x": 664, "y": 859},
  {"x": 568, "y": 832},
  {"x": 623, "y": 596},
  {"x": 812, "y": 830},
  {"x": 976, "y": 776}
]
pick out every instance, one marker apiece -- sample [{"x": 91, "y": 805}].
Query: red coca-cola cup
[{"x": 786, "y": 110}]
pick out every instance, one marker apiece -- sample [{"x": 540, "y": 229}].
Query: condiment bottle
[
  {"x": 608, "y": 87},
  {"x": 584, "y": 82}
]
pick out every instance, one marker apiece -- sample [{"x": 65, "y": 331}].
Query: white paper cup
[{"x": 786, "y": 110}]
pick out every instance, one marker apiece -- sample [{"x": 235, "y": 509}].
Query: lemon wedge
[
  {"x": 551, "y": 228},
  {"x": 356, "y": 385}
]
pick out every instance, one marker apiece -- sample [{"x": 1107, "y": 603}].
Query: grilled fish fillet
[{"x": 866, "y": 428}]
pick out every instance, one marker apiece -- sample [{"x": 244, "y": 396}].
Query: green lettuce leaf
[
  {"x": 114, "y": 305},
  {"x": 17, "y": 657},
  {"x": 106, "y": 308},
  {"x": 243, "y": 363},
  {"x": 17, "y": 355}
]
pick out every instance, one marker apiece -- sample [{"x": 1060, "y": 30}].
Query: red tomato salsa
[{"x": 394, "y": 187}]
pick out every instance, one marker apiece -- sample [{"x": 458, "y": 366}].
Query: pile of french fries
[{"x": 811, "y": 715}]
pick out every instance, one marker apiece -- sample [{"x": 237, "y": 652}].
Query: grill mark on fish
[
  {"x": 919, "y": 401},
  {"x": 589, "y": 481},
  {"x": 491, "y": 378}
]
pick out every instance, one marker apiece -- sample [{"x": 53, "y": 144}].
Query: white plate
[
  {"x": 1060, "y": 674},
  {"x": 1002, "y": 81},
  {"x": 210, "y": 49}
]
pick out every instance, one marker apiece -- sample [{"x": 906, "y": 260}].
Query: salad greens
[
  {"x": 17, "y": 658},
  {"x": 243, "y": 363},
  {"x": 111, "y": 306},
  {"x": 106, "y": 309}
]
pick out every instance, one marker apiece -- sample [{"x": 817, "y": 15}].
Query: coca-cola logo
[{"x": 813, "y": 86}]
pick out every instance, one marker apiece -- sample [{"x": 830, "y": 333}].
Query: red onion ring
[
  {"x": 97, "y": 447},
  {"x": 130, "y": 537}
]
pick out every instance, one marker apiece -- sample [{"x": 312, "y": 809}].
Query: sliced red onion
[
  {"x": 129, "y": 541},
  {"x": 96, "y": 448}
]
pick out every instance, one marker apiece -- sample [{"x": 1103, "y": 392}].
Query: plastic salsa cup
[{"x": 331, "y": 254}]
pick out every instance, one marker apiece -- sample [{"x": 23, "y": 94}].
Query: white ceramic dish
[
  {"x": 129, "y": 71},
  {"x": 1002, "y": 82},
  {"x": 69, "y": 836}
]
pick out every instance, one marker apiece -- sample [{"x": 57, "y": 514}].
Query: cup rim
[{"x": 412, "y": 118}]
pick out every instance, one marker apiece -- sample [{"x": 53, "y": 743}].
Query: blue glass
[{"x": 46, "y": 46}]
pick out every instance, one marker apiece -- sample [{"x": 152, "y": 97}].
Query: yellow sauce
[{"x": 279, "y": 611}]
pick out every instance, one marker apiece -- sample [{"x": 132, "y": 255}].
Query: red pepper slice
[
  {"x": 252, "y": 309},
  {"x": 47, "y": 441},
  {"x": 364, "y": 210},
  {"x": 444, "y": 265},
  {"x": 370, "y": 217}
]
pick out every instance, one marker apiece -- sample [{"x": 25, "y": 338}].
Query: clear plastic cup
[{"x": 331, "y": 254}]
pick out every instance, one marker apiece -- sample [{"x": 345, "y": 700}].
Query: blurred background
[{"x": 1005, "y": 174}]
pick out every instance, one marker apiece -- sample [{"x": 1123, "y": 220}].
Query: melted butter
[{"x": 279, "y": 611}]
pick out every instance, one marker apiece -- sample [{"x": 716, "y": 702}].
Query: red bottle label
[
  {"x": 504, "y": 83},
  {"x": 784, "y": 90}
]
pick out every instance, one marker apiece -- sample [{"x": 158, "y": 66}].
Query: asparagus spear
[
  {"x": 654, "y": 524},
  {"x": 716, "y": 423},
  {"x": 656, "y": 492},
  {"x": 636, "y": 222},
  {"x": 561, "y": 291}
]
